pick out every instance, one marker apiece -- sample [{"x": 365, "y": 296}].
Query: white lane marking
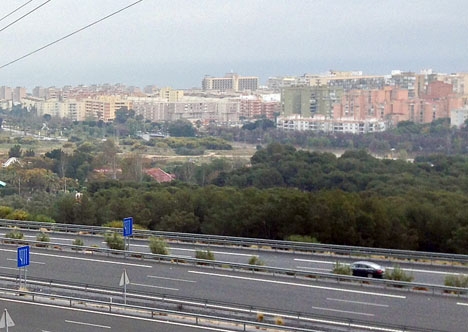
[
  {"x": 41, "y": 263},
  {"x": 8, "y": 268},
  {"x": 173, "y": 279},
  {"x": 87, "y": 324},
  {"x": 52, "y": 238},
  {"x": 203, "y": 328},
  {"x": 461, "y": 303},
  {"x": 344, "y": 311},
  {"x": 300, "y": 285},
  {"x": 312, "y": 261},
  {"x": 215, "y": 252},
  {"x": 152, "y": 286},
  {"x": 358, "y": 302}
]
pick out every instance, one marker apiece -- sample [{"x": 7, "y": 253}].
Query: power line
[
  {"x": 7, "y": 15},
  {"x": 30, "y": 12},
  {"x": 70, "y": 34}
]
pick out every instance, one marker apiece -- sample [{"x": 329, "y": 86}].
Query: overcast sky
[{"x": 175, "y": 43}]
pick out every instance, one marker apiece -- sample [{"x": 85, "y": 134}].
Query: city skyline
[{"x": 178, "y": 43}]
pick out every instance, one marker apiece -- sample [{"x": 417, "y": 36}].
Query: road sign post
[
  {"x": 127, "y": 230},
  {"x": 22, "y": 256},
  {"x": 6, "y": 321},
  {"x": 124, "y": 281}
]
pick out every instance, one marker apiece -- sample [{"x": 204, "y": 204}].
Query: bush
[
  {"x": 302, "y": 238},
  {"x": 17, "y": 235},
  {"x": 43, "y": 237},
  {"x": 398, "y": 274},
  {"x": 204, "y": 254},
  {"x": 340, "y": 268},
  {"x": 115, "y": 241},
  {"x": 255, "y": 260},
  {"x": 78, "y": 242},
  {"x": 158, "y": 246},
  {"x": 43, "y": 218},
  {"x": 5, "y": 211},
  {"x": 459, "y": 280},
  {"x": 18, "y": 215},
  {"x": 279, "y": 321}
]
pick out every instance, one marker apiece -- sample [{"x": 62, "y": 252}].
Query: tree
[
  {"x": 181, "y": 128},
  {"x": 15, "y": 151}
]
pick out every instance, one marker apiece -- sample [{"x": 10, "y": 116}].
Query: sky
[{"x": 176, "y": 43}]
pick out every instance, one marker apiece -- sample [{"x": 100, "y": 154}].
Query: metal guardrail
[
  {"x": 247, "y": 315},
  {"x": 232, "y": 324},
  {"x": 259, "y": 244},
  {"x": 240, "y": 267}
]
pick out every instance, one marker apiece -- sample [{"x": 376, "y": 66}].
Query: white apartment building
[{"x": 322, "y": 124}]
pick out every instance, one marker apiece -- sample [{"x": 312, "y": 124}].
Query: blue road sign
[
  {"x": 23, "y": 256},
  {"x": 128, "y": 226}
]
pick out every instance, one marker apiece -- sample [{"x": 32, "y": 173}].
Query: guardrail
[
  {"x": 222, "y": 311},
  {"x": 233, "y": 324},
  {"x": 260, "y": 244},
  {"x": 240, "y": 267}
]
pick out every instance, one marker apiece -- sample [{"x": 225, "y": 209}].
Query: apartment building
[
  {"x": 260, "y": 106},
  {"x": 104, "y": 107},
  {"x": 230, "y": 82},
  {"x": 324, "y": 124},
  {"x": 309, "y": 101}
]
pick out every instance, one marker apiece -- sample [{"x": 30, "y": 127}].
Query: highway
[
  {"x": 373, "y": 304},
  {"x": 32, "y": 317},
  {"x": 422, "y": 273}
]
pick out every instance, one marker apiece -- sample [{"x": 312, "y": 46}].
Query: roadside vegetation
[
  {"x": 397, "y": 274},
  {"x": 158, "y": 246},
  {"x": 341, "y": 268}
]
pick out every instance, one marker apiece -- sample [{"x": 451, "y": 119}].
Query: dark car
[{"x": 367, "y": 269}]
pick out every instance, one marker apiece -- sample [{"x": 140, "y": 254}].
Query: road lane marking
[
  {"x": 358, "y": 302},
  {"x": 300, "y": 285},
  {"x": 172, "y": 279},
  {"x": 312, "y": 261},
  {"x": 41, "y": 263},
  {"x": 344, "y": 311},
  {"x": 152, "y": 286},
  {"x": 461, "y": 303},
  {"x": 87, "y": 324},
  {"x": 8, "y": 268},
  {"x": 215, "y": 252}
]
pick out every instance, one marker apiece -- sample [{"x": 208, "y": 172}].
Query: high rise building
[{"x": 230, "y": 82}]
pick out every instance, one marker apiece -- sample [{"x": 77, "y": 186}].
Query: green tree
[
  {"x": 15, "y": 151},
  {"x": 181, "y": 128}
]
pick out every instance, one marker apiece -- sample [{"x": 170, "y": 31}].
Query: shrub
[
  {"x": 279, "y": 321},
  {"x": 158, "y": 246},
  {"x": 43, "y": 237},
  {"x": 340, "y": 268},
  {"x": 78, "y": 242},
  {"x": 204, "y": 254},
  {"x": 260, "y": 316},
  {"x": 255, "y": 260},
  {"x": 458, "y": 280},
  {"x": 17, "y": 235},
  {"x": 5, "y": 211},
  {"x": 43, "y": 218},
  {"x": 115, "y": 241},
  {"x": 18, "y": 215},
  {"x": 398, "y": 274},
  {"x": 302, "y": 238}
]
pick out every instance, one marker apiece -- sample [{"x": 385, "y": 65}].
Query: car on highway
[{"x": 367, "y": 269}]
